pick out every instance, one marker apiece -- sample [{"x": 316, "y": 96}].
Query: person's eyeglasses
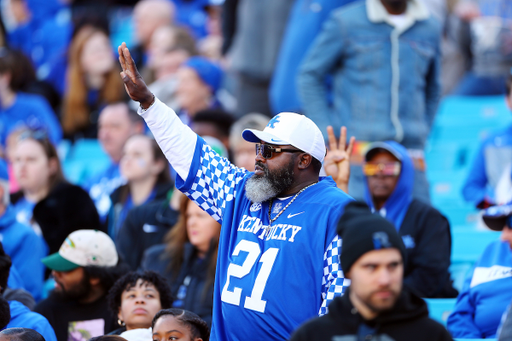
[
  {"x": 267, "y": 150},
  {"x": 388, "y": 168}
]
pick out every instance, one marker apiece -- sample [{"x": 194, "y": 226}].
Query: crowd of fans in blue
[{"x": 232, "y": 203}]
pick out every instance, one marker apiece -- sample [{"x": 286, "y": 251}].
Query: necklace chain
[{"x": 293, "y": 199}]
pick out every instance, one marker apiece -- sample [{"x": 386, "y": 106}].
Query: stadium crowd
[{"x": 253, "y": 170}]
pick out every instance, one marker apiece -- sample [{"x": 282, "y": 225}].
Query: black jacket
[
  {"x": 116, "y": 208},
  {"x": 408, "y": 320},
  {"x": 67, "y": 208},
  {"x": 144, "y": 226},
  {"x": 426, "y": 235},
  {"x": 198, "y": 296}
]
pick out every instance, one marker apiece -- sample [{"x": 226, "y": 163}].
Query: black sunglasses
[{"x": 267, "y": 150}]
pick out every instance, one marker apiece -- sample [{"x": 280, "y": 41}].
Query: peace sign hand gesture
[
  {"x": 337, "y": 160},
  {"x": 133, "y": 82}
]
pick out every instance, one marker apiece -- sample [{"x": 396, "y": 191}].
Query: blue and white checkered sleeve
[
  {"x": 334, "y": 282},
  {"x": 215, "y": 182}
]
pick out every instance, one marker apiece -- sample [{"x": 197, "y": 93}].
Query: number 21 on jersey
[{"x": 253, "y": 302}]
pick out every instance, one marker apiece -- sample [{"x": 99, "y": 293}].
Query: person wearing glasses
[
  {"x": 277, "y": 263},
  {"x": 389, "y": 175}
]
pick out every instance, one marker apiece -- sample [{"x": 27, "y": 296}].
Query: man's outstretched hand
[
  {"x": 337, "y": 160},
  {"x": 133, "y": 82}
]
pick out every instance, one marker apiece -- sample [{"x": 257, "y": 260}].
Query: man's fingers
[
  {"x": 121, "y": 56},
  {"x": 343, "y": 138},
  {"x": 351, "y": 145},
  {"x": 332, "y": 138}
]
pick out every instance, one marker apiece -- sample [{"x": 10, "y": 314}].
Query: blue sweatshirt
[
  {"x": 26, "y": 250},
  {"x": 22, "y": 317},
  {"x": 485, "y": 295},
  {"x": 31, "y": 111}
]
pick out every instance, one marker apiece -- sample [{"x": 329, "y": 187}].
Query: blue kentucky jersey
[{"x": 269, "y": 279}]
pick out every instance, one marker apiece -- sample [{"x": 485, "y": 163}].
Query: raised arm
[{"x": 203, "y": 175}]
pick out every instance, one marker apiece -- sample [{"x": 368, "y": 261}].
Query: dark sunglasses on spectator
[
  {"x": 387, "y": 169},
  {"x": 267, "y": 150}
]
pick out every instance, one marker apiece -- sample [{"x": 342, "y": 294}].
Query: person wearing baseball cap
[
  {"x": 376, "y": 306},
  {"x": 85, "y": 268},
  {"x": 486, "y": 292},
  {"x": 278, "y": 222}
]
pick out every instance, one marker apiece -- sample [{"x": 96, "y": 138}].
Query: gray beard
[{"x": 262, "y": 188}]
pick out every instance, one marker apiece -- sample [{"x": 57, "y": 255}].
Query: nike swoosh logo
[
  {"x": 293, "y": 215},
  {"x": 274, "y": 140}
]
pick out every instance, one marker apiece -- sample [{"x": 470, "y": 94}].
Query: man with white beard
[{"x": 277, "y": 263}]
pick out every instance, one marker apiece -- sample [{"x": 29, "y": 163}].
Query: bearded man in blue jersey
[{"x": 277, "y": 264}]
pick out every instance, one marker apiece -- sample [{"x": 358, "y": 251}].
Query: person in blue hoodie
[
  {"x": 486, "y": 291},
  {"x": 21, "y": 243},
  {"x": 21, "y": 316},
  {"x": 389, "y": 181}
]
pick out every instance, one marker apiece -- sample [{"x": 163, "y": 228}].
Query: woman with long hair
[
  {"x": 188, "y": 259},
  {"x": 92, "y": 82},
  {"x": 46, "y": 201}
]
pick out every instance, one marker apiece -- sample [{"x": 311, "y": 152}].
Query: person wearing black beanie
[{"x": 376, "y": 306}]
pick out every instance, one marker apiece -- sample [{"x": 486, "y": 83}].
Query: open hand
[
  {"x": 337, "y": 160},
  {"x": 133, "y": 82}
]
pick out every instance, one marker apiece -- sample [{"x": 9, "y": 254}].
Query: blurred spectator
[
  {"x": 85, "y": 268},
  {"x": 92, "y": 82},
  {"x": 304, "y": 24},
  {"x": 188, "y": 259},
  {"x": 505, "y": 329},
  {"x": 377, "y": 97},
  {"x": 144, "y": 226},
  {"x": 198, "y": 81},
  {"x": 179, "y": 323},
  {"x": 46, "y": 201},
  {"x": 211, "y": 45},
  {"x": 15, "y": 290},
  {"x": 117, "y": 122},
  {"x": 214, "y": 123},
  {"x": 486, "y": 291},
  {"x": 376, "y": 306},
  {"x": 41, "y": 29},
  {"x": 243, "y": 152},
  {"x": 5, "y": 313},
  {"x": 20, "y": 334},
  {"x": 149, "y": 15},
  {"x": 491, "y": 163},
  {"x": 170, "y": 47},
  {"x": 20, "y": 242},
  {"x": 252, "y": 32},
  {"x": 193, "y": 15},
  {"x": 485, "y": 36},
  {"x": 135, "y": 299},
  {"x": 19, "y": 109},
  {"x": 21, "y": 316},
  {"x": 146, "y": 171},
  {"x": 389, "y": 175}
]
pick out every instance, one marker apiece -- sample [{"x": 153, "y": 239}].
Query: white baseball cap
[
  {"x": 83, "y": 248},
  {"x": 293, "y": 129}
]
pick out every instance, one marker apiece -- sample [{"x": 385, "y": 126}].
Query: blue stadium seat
[
  {"x": 440, "y": 308},
  {"x": 85, "y": 158},
  {"x": 467, "y": 246}
]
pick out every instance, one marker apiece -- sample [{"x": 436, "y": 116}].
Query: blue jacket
[
  {"x": 26, "y": 250},
  {"x": 22, "y": 317},
  {"x": 386, "y": 79},
  {"x": 304, "y": 24},
  {"x": 494, "y": 154},
  {"x": 32, "y": 111},
  {"x": 485, "y": 295}
]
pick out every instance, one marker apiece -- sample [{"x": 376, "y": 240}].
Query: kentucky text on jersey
[{"x": 279, "y": 231}]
